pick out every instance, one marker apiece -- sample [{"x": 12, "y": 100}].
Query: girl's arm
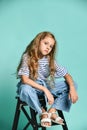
[
  {"x": 72, "y": 92},
  {"x": 26, "y": 80},
  {"x": 30, "y": 82}
]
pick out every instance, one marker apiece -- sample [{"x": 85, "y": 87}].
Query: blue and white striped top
[{"x": 43, "y": 68}]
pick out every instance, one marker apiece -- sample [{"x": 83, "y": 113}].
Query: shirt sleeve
[
  {"x": 24, "y": 69},
  {"x": 60, "y": 71}
]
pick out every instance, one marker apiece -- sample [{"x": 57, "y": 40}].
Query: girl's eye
[
  {"x": 51, "y": 47},
  {"x": 45, "y": 43}
]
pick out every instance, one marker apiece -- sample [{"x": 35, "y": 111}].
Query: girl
[{"x": 37, "y": 72}]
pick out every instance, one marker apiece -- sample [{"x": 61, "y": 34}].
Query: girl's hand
[
  {"x": 73, "y": 94},
  {"x": 49, "y": 96}
]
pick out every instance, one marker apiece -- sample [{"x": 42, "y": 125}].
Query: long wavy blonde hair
[{"x": 33, "y": 55}]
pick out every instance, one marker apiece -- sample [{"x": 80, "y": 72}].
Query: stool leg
[
  {"x": 28, "y": 117},
  {"x": 17, "y": 114},
  {"x": 62, "y": 116},
  {"x": 33, "y": 117},
  {"x": 43, "y": 128}
]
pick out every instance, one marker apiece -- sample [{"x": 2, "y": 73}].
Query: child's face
[{"x": 46, "y": 45}]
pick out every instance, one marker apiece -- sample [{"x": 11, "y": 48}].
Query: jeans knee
[{"x": 27, "y": 90}]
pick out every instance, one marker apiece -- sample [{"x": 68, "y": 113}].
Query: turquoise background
[{"x": 20, "y": 21}]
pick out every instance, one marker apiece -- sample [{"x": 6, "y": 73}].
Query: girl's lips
[{"x": 46, "y": 51}]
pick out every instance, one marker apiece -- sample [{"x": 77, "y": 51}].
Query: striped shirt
[{"x": 43, "y": 68}]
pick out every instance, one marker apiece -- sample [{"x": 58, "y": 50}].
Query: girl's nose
[{"x": 48, "y": 47}]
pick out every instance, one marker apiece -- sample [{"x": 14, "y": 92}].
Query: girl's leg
[
  {"x": 60, "y": 92},
  {"x": 29, "y": 95},
  {"x": 62, "y": 102}
]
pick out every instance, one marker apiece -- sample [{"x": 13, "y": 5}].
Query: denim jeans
[{"x": 30, "y": 95}]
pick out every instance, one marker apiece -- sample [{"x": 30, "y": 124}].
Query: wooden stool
[{"x": 32, "y": 120}]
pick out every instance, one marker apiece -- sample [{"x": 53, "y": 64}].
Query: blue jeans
[{"x": 30, "y": 95}]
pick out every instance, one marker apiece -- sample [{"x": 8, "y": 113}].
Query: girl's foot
[
  {"x": 45, "y": 120},
  {"x": 54, "y": 117}
]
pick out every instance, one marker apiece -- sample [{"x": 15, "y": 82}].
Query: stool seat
[{"x": 32, "y": 119}]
